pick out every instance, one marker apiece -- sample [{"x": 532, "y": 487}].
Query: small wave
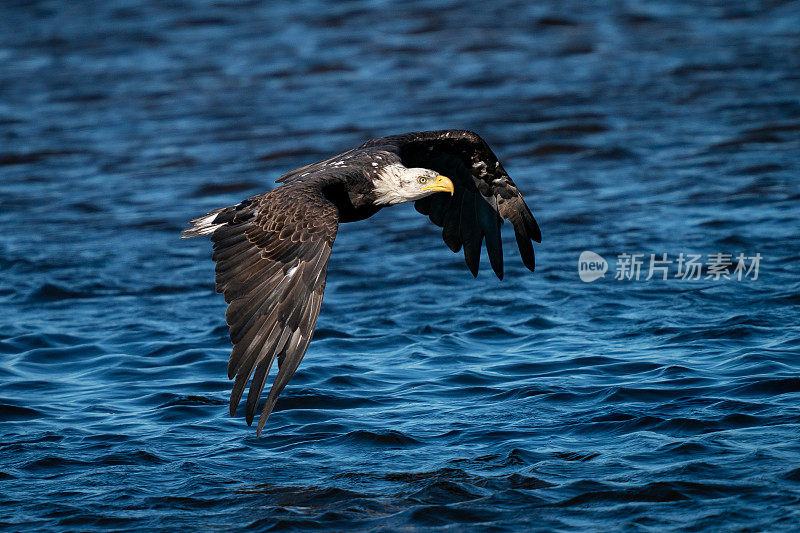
[
  {"x": 793, "y": 475},
  {"x": 55, "y": 463},
  {"x": 315, "y": 400},
  {"x": 191, "y": 401},
  {"x": 768, "y": 386},
  {"x": 652, "y": 492},
  {"x": 130, "y": 457},
  {"x": 384, "y": 438},
  {"x": 15, "y": 412},
  {"x": 212, "y": 189},
  {"x": 441, "y": 491},
  {"x": 49, "y": 292}
]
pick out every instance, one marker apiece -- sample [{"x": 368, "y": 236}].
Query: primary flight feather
[{"x": 271, "y": 250}]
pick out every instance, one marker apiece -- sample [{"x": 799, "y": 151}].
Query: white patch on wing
[
  {"x": 291, "y": 271},
  {"x": 205, "y": 226}
]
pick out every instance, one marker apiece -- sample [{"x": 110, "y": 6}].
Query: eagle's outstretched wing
[
  {"x": 272, "y": 258},
  {"x": 484, "y": 194}
]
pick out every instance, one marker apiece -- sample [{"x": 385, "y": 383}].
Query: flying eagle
[{"x": 271, "y": 250}]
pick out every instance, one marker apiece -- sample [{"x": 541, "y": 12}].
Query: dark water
[{"x": 429, "y": 399}]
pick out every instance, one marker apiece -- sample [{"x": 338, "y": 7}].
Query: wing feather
[
  {"x": 289, "y": 359},
  {"x": 490, "y": 222},
  {"x": 452, "y": 223},
  {"x": 437, "y": 211},
  {"x": 256, "y": 386},
  {"x": 271, "y": 254},
  {"x": 485, "y": 195},
  {"x": 471, "y": 232}
]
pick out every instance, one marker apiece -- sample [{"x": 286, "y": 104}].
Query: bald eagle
[{"x": 271, "y": 250}]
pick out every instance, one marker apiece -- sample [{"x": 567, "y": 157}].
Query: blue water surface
[{"x": 428, "y": 399}]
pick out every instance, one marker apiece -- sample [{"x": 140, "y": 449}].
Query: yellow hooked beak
[{"x": 442, "y": 184}]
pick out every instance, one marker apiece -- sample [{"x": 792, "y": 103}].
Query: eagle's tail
[{"x": 206, "y": 224}]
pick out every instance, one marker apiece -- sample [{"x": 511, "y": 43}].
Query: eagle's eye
[{"x": 422, "y": 180}]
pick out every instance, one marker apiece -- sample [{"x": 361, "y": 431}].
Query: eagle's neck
[
  {"x": 388, "y": 185},
  {"x": 353, "y": 196}
]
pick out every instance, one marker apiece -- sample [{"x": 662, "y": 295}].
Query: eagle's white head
[{"x": 396, "y": 184}]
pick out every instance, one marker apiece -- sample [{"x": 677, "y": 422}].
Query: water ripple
[{"x": 429, "y": 399}]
